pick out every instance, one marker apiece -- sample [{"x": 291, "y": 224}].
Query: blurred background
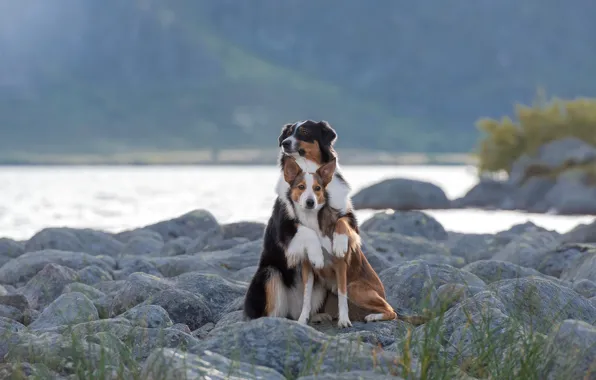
[{"x": 201, "y": 82}]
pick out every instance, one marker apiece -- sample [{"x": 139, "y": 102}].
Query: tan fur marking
[
  {"x": 271, "y": 289},
  {"x": 295, "y": 191},
  {"x": 367, "y": 298},
  {"x": 312, "y": 151}
]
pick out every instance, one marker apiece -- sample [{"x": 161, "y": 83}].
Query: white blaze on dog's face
[
  {"x": 308, "y": 189},
  {"x": 308, "y": 139}
]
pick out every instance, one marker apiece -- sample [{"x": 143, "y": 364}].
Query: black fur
[
  {"x": 279, "y": 232},
  {"x": 281, "y": 229}
]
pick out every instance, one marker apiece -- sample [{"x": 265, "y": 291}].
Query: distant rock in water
[
  {"x": 401, "y": 194},
  {"x": 560, "y": 178}
]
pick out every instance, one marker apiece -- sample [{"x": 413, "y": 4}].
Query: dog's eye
[
  {"x": 317, "y": 188},
  {"x": 301, "y": 187}
]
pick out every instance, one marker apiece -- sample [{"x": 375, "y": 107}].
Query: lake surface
[{"x": 117, "y": 198}]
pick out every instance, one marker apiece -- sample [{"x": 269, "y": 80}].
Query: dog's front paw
[
  {"x": 315, "y": 255},
  {"x": 344, "y": 322},
  {"x": 299, "y": 245},
  {"x": 340, "y": 244}
]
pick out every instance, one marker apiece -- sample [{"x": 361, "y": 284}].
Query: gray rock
[
  {"x": 18, "y": 301},
  {"x": 527, "y": 250},
  {"x": 401, "y": 194},
  {"x": 584, "y": 265},
  {"x": 412, "y": 286},
  {"x": 110, "y": 287},
  {"x": 381, "y": 334},
  {"x": 132, "y": 265},
  {"x": 176, "y": 246},
  {"x": 93, "y": 274},
  {"x": 472, "y": 247},
  {"x": 292, "y": 348},
  {"x": 171, "y": 364},
  {"x": 126, "y": 236},
  {"x": 235, "y": 305},
  {"x": 217, "y": 262},
  {"x": 572, "y": 194},
  {"x": 47, "y": 285},
  {"x": 378, "y": 262},
  {"x": 409, "y": 223},
  {"x": 531, "y": 195},
  {"x": 204, "y": 239},
  {"x": 230, "y": 318},
  {"x": 3, "y": 290},
  {"x": 217, "y": 291},
  {"x": 141, "y": 246},
  {"x": 586, "y": 288},
  {"x": 136, "y": 290},
  {"x": 150, "y": 316},
  {"x": 203, "y": 331},
  {"x": 565, "y": 151},
  {"x": 69, "y": 309},
  {"x": 397, "y": 248},
  {"x": 89, "y": 291},
  {"x": 454, "y": 261},
  {"x": 494, "y": 270},
  {"x": 572, "y": 351},
  {"x": 183, "y": 307},
  {"x": 190, "y": 224},
  {"x": 249, "y": 230},
  {"x": 582, "y": 233},
  {"x": 182, "y": 327},
  {"x": 11, "y": 312},
  {"x": 486, "y": 194},
  {"x": 451, "y": 294},
  {"x": 539, "y": 302},
  {"x": 9, "y": 325},
  {"x": 245, "y": 274},
  {"x": 10, "y": 249},
  {"x": 225, "y": 244},
  {"x": 24, "y": 267},
  {"x": 74, "y": 240}
]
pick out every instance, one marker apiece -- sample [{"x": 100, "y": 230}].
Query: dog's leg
[
  {"x": 344, "y": 237},
  {"x": 341, "y": 269},
  {"x": 367, "y": 298},
  {"x": 276, "y": 297},
  {"x": 307, "y": 283},
  {"x": 305, "y": 243}
]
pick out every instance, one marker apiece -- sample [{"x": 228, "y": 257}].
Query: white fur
[
  {"x": 307, "y": 299},
  {"x": 373, "y": 317},
  {"x": 340, "y": 244},
  {"x": 326, "y": 243},
  {"x": 322, "y": 317},
  {"x": 344, "y": 319},
  {"x": 305, "y": 243}
]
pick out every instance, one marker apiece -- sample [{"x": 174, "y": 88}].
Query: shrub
[{"x": 507, "y": 140}]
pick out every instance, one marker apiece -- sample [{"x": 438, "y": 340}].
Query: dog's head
[
  {"x": 309, "y": 139},
  {"x": 308, "y": 190}
]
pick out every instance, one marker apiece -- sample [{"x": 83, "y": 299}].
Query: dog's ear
[
  {"x": 328, "y": 135},
  {"x": 326, "y": 171},
  {"x": 285, "y": 133},
  {"x": 291, "y": 170}
]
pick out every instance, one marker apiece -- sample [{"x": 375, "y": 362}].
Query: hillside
[{"x": 110, "y": 76}]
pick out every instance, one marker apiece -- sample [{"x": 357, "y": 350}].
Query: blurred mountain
[{"x": 116, "y": 75}]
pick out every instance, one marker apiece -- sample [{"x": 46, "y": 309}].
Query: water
[{"x": 117, "y": 198}]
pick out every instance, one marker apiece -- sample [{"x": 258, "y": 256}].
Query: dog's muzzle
[{"x": 310, "y": 203}]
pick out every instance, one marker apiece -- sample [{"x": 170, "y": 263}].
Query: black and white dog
[{"x": 276, "y": 288}]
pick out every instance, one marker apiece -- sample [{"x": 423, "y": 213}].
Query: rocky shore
[
  {"x": 164, "y": 302},
  {"x": 560, "y": 178}
]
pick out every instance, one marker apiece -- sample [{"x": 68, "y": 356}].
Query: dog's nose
[
  {"x": 310, "y": 203},
  {"x": 286, "y": 144}
]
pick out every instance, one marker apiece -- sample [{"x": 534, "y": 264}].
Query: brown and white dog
[{"x": 350, "y": 276}]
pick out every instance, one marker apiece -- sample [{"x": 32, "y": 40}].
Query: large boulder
[
  {"x": 412, "y": 286},
  {"x": 24, "y": 267},
  {"x": 74, "y": 240},
  {"x": 67, "y": 310},
  {"x": 47, "y": 285},
  {"x": 191, "y": 225},
  {"x": 10, "y": 249},
  {"x": 572, "y": 350},
  {"x": 409, "y": 223},
  {"x": 401, "y": 194},
  {"x": 486, "y": 194}
]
